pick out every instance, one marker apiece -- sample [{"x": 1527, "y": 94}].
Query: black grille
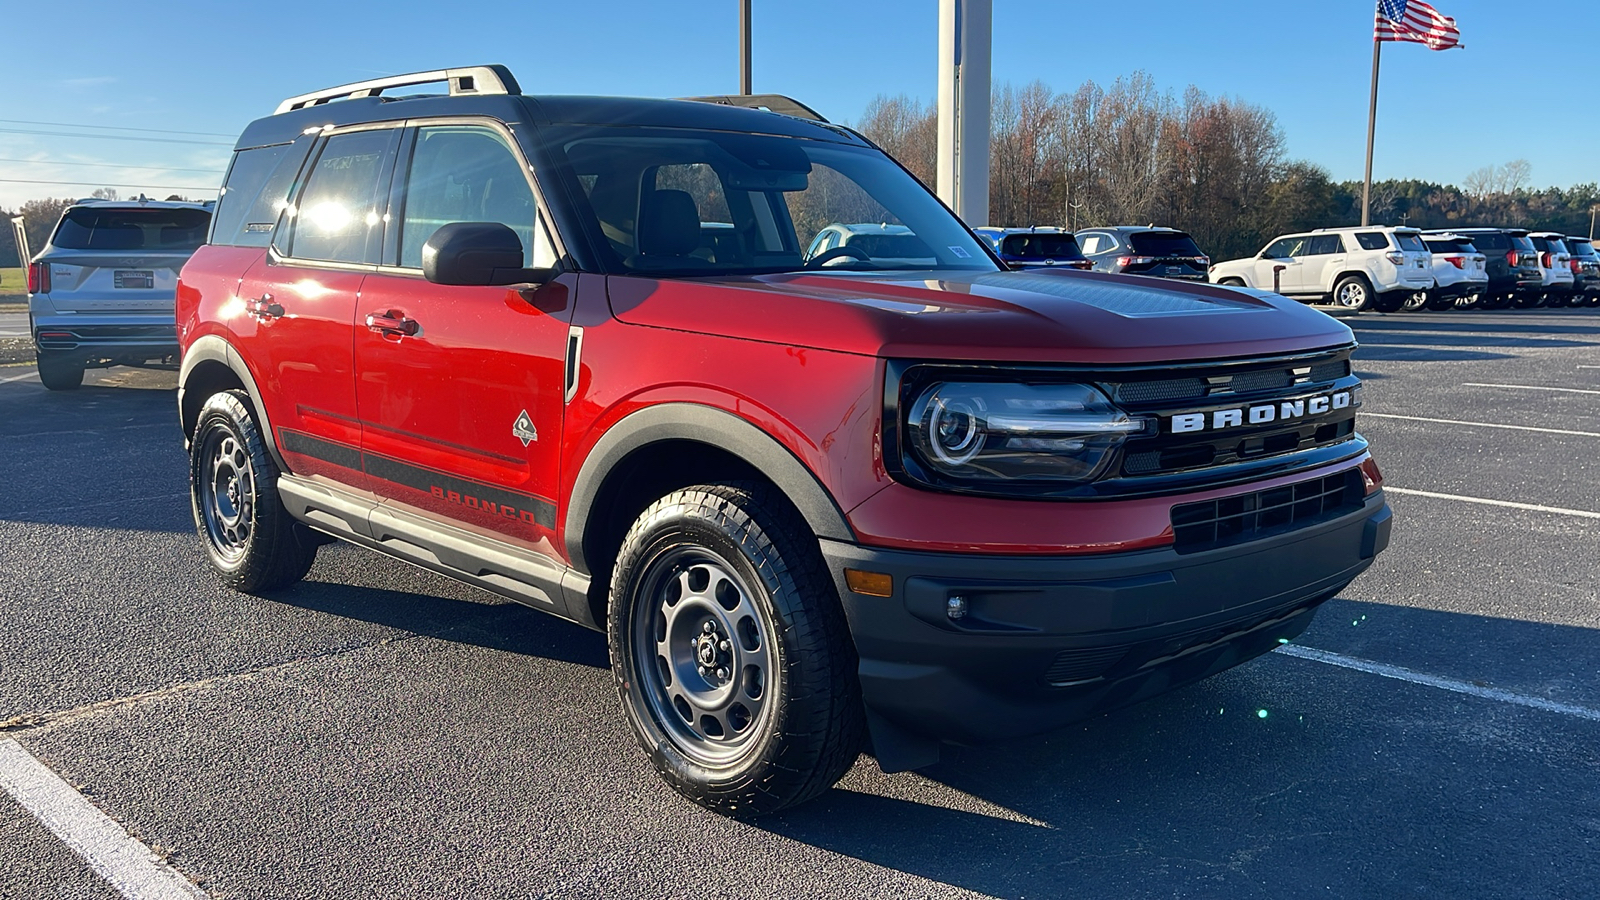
[
  {"x": 1075, "y": 666},
  {"x": 1162, "y": 391},
  {"x": 1270, "y": 379},
  {"x": 1330, "y": 371},
  {"x": 1246, "y": 517}
]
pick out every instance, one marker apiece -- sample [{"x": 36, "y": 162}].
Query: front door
[
  {"x": 1285, "y": 254},
  {"x": 459, "y": 389}
]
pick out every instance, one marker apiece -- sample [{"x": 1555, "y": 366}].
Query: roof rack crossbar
[
  {"x": 777, "y": 103},
  {"x": 478, "y": 80}
]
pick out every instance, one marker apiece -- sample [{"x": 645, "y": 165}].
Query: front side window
[
  {"x": 468, "y": 173},
  {"x": 337, "y": 215},
  {"x": 673, "y": 201},
  {"x": 1372, "y": 240},
  {"x": 1284, "y": 248},
  {"x": 150, "y": 229}
]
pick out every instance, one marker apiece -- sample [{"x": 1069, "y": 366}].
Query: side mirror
[{"x": 477, "y": 253}]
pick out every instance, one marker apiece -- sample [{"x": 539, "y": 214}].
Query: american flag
[{"x": 1413, "y": 20}]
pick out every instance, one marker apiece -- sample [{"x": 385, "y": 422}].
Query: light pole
[
  {"x": 1591, "y": 220},
  {"x": 744, "y": 47}
]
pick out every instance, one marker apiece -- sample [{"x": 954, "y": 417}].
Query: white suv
[
  {"x": 1555, "y": 268},
  {"x": 1459, "y": 270},
  {"x": 1375, "y": 267}
]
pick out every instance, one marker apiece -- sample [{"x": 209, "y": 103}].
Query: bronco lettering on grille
[{"x": 1261, "y": 413}]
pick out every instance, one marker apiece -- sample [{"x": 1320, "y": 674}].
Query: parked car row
[{"x": 1381, "y": 268}]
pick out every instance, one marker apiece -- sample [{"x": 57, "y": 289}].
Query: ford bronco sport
[{"x": 570, "y": 350}]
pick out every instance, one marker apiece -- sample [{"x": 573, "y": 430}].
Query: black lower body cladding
[{"x": 1038, "y": 642}]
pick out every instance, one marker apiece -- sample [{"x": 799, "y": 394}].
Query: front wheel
[
  {"x": 250, "y": 539},
  {"x": 731, "y": 652}
]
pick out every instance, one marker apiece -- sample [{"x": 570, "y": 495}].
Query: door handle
[
  {"x": 264, "y": 307},
  {"x": 393, "y": 322}
]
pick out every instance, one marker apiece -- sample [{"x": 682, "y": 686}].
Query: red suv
[{"x": 571, "y": 350}]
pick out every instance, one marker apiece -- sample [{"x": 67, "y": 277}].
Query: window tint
[
  {"x": 1581, "y": 248},
  {"x": 1163, "y": 243},
  {"x": 1557, "y": 245},
  {"x": 464, "y": 173},
  {"x": 158, "y": 230},
  {"x": 1372, "y": 240},
  {"x": 1041, "y": 246},
  {"x": 1096, "y": 243},
  {"x": 1409, "y": 240},
  {"x": 1437, "y": 246},
  {"x": 1326, "y": 245},
  {"x": 1523, "y": 243},
  {"x": 258, "y": 187},
  {"x": 337, "y": 213},
  {"x": 1491, "y": 240}
]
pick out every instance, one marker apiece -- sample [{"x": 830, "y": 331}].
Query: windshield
[
  {"x": 1040, "y": 246},
  {"x": 1581, "y": 248},
  {"x": 672, "y": 201},
  {"x": 162, "y": 230},
  {"x": 1523, "y": 243},
  {"x": 1164, "y": 243}
]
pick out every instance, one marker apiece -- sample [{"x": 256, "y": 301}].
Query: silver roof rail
[
  {"x": 777, "y": 103},
  {"x": 479, "y": 80}
]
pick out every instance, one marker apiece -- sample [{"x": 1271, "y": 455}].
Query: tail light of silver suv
[{"x": 39, "y": 278}]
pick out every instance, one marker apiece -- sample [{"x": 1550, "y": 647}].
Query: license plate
[
  {"x": 1174, "y": 270},
  {"x": 133, "y": 278}
]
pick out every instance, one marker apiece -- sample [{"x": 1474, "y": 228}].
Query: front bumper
[{"x": 1049, "y": 640}]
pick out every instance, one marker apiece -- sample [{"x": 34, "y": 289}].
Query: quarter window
[
  {"x": 258, "y": 188},
  {"x": 337, "y": 214},
  {"x": 468, "y": 173}
]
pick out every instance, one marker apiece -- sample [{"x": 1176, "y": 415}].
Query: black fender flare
[
  {"x": 214, "y": 348},
  {"x": 706, "y": 425}
]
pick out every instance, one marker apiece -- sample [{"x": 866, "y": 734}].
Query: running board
[{"x": 496, "y": 566}]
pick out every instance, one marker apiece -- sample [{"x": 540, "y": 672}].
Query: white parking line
[
  {"x": 1529, "y": 387},
  {"x": 1480, "y": 424},
  {"x": 1434, "y": 681},
  {"x": 1580, "y": 513},
  {"x": 127, "y": 864},
  {"x": 19, "y": 378}
]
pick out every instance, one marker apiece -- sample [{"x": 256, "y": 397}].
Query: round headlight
[{"x": 956, "y": 432}]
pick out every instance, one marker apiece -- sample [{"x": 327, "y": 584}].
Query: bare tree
[{"x": 907, "y": 131}]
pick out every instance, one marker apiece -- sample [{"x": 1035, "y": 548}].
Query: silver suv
[{"x": 101, "y": 291}]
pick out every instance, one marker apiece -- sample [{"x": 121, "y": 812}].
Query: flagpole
[{"x": 1372, "y": 122}]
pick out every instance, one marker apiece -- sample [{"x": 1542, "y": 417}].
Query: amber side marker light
[{"x": 873, "y": 584}]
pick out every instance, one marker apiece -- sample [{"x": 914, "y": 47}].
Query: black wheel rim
[
  {"x": 703, "y": 655},
  {"x": 227, "y": 492}
]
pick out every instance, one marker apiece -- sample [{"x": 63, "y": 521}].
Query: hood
[{"x": 1064, "y": 316}]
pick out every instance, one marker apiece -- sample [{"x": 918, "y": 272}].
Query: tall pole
[
  {"x": 965, "y": 45},
  {"x": 744, "y": 47},
  {"x": 1372, "y": 124}
]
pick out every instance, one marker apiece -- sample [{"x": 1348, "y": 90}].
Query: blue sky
[{"x": 212, "y": 67}]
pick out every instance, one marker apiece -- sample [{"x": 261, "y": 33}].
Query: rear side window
[
  {"x": 1163, "y": 243},
  {"x": 1490, "y": 241},
  {"x": 259, "y": 182},
  {"x": 1326, "y": 245},
  {"x": 1097, "y": 243},
  {"x": 337, "y": 214},
  {"x": 153, "y": 230},
  {"x": 1372, "y": 240},
  {"x": 1041, "y": 246},
  {"x": 1409, "y": 240},
  {"x": 468, "y": 173}
]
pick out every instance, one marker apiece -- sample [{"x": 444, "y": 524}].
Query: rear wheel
[
  {"x": 58, "y": 373},
  {"x": 1352, "y": 293},
  {"x": 1438, "y": 303},
  {"x": 731, "y": 652},
  {"x": 1232, "y": 282},
  {"x": 250, "y": 539},
  {"x": 1415, "y": 302},
  {"x": 1528, "y": 301},
  {"x": 1389, "y": 301}
]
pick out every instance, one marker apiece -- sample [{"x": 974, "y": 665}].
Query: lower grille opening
[
  {"x": 1248, "y": 517},
  {"x": 1078, "y": 666}
]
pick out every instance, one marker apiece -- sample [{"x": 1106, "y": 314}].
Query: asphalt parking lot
[{"x": 381, "y": 732}]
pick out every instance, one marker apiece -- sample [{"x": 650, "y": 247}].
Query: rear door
[
  {"x": 297, "y": 303},
  {"x": 461, "y": 408}
]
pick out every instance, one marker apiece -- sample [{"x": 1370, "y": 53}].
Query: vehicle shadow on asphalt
[
  {"x": 1407, "y": 352},
  {"x": 505, "y": 626},
  {"x": 1283, "y": 777}
]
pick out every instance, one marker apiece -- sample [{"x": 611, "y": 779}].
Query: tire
[
  {"x": 251, "y": 540},
  {"x": 1231, "y": 282},
  {"x": 1528, "y": 301},
  {"x": 1415, "y": 302},
  {"x": 1353, "y": 292},
  {"x": 1440, "y": 304},
  {"x": 59, "y": 374},
  {"x": 1389, "y": 301},
  {"x": 1479, "y": 300},
  {"x": 731, "y": 652}
]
